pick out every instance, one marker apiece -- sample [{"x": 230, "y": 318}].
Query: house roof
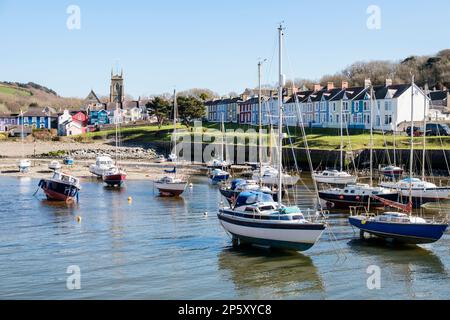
[
  {"x": 439, "y": 95},
  {"x": 92, "y": 98},
  {"x": 40, "y": 112}
]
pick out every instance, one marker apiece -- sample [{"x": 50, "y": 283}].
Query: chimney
[
  {"x": 367, "y": 83},
  {"x": 344, "y": 85},
  {"x": 388, "y": 82},
  {"x": 330, "y": 86},
  {"x": 317, "y": 87}
]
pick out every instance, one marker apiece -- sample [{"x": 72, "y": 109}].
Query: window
[
  {"x": 345, "y": 106},
  {"x": 378, "y": 121},
  {"x": 357, "y": 106},
  {"x": 387, "y": 119}
]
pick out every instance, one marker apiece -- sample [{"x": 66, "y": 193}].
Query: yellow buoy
[
  {"x": 130, "y": 199},
  {"x": 78, "y": 219}
]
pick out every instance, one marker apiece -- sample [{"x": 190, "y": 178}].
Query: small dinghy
[{"x": 54, "y": 165}]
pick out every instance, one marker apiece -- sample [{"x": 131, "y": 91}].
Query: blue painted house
[
  {"x": 98, "y": 117},
  {"x": 39, "y": 118}
]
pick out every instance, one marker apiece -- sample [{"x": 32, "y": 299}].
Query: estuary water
[{"x": 158, "y": 248}]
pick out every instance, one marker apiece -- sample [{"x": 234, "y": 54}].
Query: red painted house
[
  {"x": 246, "y": 109},
  {"x": 80, "y": 117}
]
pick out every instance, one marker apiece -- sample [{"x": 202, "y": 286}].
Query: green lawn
[
  {"x": 321, "y": 139},
  {"x": 14, "y": 91}
]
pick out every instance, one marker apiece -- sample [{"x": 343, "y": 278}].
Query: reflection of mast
[{"x": 424, "y": 132}]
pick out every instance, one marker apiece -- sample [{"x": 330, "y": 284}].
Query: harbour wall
[{"x": 322, "y": 159}]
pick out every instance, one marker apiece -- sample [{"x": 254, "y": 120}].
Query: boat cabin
[{"x": 62, "y": 177}]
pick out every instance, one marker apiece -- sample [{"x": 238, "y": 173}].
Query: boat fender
[
  {"x": 341, "y": 197},
  {"x": 363, "y": 222},
  {"x": 358, "y": 198}
]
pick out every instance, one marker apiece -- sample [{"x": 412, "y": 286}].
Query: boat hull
[
  {"x": 407, "y": 233},
  {"x": 347, "y": 201},
  {"x": 170, "y": 190},
  {"x": 57, "y": 191},
  {"x": 288, "y": 236},
  {"x": 220, "y": 178},
  {"x": 335, "y": 180},
  {"x": 115, "y": 179}
]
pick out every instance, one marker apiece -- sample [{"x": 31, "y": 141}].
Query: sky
[{"x": 182, "y": 44}]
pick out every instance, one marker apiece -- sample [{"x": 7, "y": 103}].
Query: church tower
[{"x": 116, "y": 92}]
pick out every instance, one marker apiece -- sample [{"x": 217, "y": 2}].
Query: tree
[
  {"x": 190, "y": 108},
  {"x": 160, "y": 108}
]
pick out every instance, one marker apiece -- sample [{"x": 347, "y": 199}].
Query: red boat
[
  {"x": 61, "y": 187},
  {"x": 114, "y": 178}
]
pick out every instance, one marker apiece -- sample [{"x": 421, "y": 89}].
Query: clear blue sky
[{"x": 204, "y": 43}]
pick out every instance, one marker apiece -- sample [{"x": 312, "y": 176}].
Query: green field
[
  {"x": 320, "y": 139},
  {"x": 14, "y": 91}
]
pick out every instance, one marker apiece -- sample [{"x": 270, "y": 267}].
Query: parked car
[
  {"x": 437, "y": 129},
  {"x": 417, "y": 131}
]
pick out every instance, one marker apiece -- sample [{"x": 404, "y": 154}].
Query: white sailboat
[
  {"x": 171, "y": 185},
  {"x": 257, "y": 219},
  {"x": 24, "y": 164}
]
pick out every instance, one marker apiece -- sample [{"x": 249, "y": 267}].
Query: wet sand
[{"x": 135, "y": 170}]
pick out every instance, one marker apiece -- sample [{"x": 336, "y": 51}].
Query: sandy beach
[{"x": 138, "y": 163}]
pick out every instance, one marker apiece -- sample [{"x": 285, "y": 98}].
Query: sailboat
[
  {"x": 221, "y": 162},
  {"x": 359, "y": 194},
  {"x": 218, "y": 166},
  {"x": 114, "y": 176},
  {"x": 339, "y": 177},
  {"x": 392, "y": 172},
  {"x": 402, "y": 226},
  {"x": 420, "y": 190},
  {"x": 256, "y": 219},
  {"x": 232, "y": 191},
  {"x": 171, "y": 185},
  {"x": 24, "y": 164}
]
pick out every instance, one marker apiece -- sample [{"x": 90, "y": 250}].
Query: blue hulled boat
[
  {"x": 400, "y": 227},
  {"x": 218, "y": 175}
]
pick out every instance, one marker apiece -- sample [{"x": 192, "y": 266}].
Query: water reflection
[{"x": 271, "y": 274}]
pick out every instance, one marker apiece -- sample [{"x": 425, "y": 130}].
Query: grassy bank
[{"x": 319, "y": 139}]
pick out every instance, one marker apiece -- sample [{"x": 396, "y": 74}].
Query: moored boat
[
  {"x": 103, "y": 164},
  {"x": 356, "y": 195},
  {"x": 392, "y": 172},
  {"x": 170, "y": 186},
  {"x": 218, "y": 175},
  {"x": 232, "y": 191},
  {"x": 68, "y": 161},
  {"x": 258, "y": 220},
  {"x": 61, "y": 187},
  {"x": 114, "y": 177},
  {"x": 24, "y": 165},
  {"x": 334, "y": 177},
  {"x": 54, "y": 165}
]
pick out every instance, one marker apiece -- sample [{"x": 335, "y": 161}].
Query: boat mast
[
  {"x": 174, "y": 138},
  {"x": 117, "y": 126},
  {"x": 260, "y": 123},
  {"x": 342, "y": 139},
  {"x": 424, "y": 131},
  {"x": 411, "y": 156},
  {"x": 371, "y": 134},
  {"x": 280, "y": 114}
]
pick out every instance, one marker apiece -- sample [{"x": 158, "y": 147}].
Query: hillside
[{"x": 17, "y": 96}]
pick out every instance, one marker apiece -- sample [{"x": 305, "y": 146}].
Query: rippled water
[{"x": 156, "y": 248}]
